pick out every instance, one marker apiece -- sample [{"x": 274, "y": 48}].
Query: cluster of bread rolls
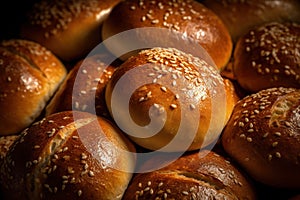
[{"x": 158, "y": 99}]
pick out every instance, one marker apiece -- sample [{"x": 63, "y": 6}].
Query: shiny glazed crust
[
  {"x": 65, "y": 156},
  {"x": 189, "y": 18},
  {"x": 240, "y": 16},
  {"x": 268, "y": 56},
  {"x": 84, "y": 87},
  {"x": 70, "y": 29},
  {"x": 165, "y": 85},
  {"x": 199, "y": 175},
  {"x": 262, "y": 135},
  {"x": 29, "y": 76}
]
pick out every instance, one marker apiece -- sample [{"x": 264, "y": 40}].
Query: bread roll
[
  {"x": 68, "y": 155},
  {"x": 268, "y": 56},
  {"x": 240, "y": 16},
  {"x": 190, "y": 19},
  {"x": 70, "y": 29},
  {"x": 166, "y": 99},
  {"x": 29, "y": 75},
  {"x": 83, "y": 89},
  {"x": 262, "y": 135},
  {"x": 203, "y": 175}
]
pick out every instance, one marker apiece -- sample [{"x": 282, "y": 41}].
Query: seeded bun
[
  {"x": 240, "y": 16},
  {"x": 268, "y": 57},
  {"x": 68, "y": 155},
  {"x": 83, "y": 89},
  {"x": 168, "y": 92},
  {"x": 29, "y": 76},
  {"x": 200, "y": 175},
  {"x": 262, "y": 135},
  {"x": 189, "y": 18},
  {"x": 70, "y": 29}
]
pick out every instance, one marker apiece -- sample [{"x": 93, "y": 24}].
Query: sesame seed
[
  {"x": 142, "y": 99},
  {"x": 91, "y": 173},
  {"x": 192, "y": 106},
  {"x": 278, "y": 155},
  {"x": 277, "y": 133},
  {"x": 265, "y": 135},
  {"x": 270, "y": 157},
  {"x": 79, "y": 193},
  {"x": 274, "y": 144},
  {"x": 83, "y": 156},
  {"x": 288, "y": 124},
  {"x": 160, "y": 192},
  {"x": 241, "y": 124},
  {"x": 164, "y": 89},
  {"x": 173, "y": 106}
]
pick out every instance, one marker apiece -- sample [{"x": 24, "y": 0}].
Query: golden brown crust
[
  {"x": 188, "y": 18},
  {"x": 268, "y": 56},
  {"x": 231, "y": 97},
  {"x": 240, "y": 16},
  {"x": 84, "y": 87},
  {"x": 199, "y": 175},
  {"x": 29, "y": 76},
  {"x": 5, "y": 144},
  {"x": 262, "y": 135},
  {"x": 68, "y": 155},
  {"x": 167, "y": 88},
  {"x": 70, "y": 29}
]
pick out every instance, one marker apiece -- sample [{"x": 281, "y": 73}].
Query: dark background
[{"x": 12, "y": 14}]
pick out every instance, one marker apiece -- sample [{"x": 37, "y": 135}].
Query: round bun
[
  {"x": 240, "y": 16},
  {"x": 163, "y": 95},
  {"x": 201, "y": 175},
  {"x": 29, "y": 76},
  {"x": 83, "y": 89},
  {"x": 268, "y": 56},
  {"x": 189, "y": 18},
  {"x": 262, "y": 135},
  {"x": 66, "y": 156},
  {"x": 70, "y": 29}
]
